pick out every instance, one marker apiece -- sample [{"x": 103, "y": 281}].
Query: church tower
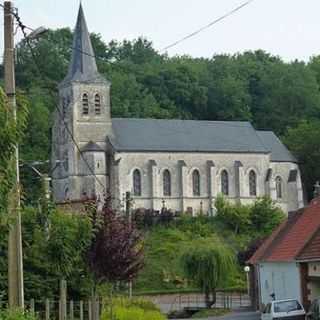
[{"x": 82, "y": 124}]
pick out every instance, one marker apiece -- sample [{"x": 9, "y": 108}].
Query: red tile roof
[
  {"x": 292, "y": 236},
  {"x": 312, "y": 250}
]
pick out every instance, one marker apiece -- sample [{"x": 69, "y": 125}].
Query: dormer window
[
  {"x": 97, "y": 104},
  {"x": 85, "y": 105}
]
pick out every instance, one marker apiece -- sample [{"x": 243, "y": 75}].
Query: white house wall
[{"x": 280, "y": 278}]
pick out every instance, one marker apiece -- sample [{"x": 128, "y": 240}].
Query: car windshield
[{"x": 287, "y": 306}]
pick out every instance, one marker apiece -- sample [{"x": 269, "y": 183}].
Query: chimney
[{"x": 316, "y": 192}]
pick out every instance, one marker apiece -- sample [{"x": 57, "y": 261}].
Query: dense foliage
[
  {"x": 259, "y": 218},
  {"x": 254, "y": 86},
  {"x": 131, "y": 309},
  {"x": 16, "y": 315},
  {"x": 11, "y": 133},
  {"x": 164, "y": 244},
  {"x": 116, "y": 252},
  {"x": 54, "y": 247}
]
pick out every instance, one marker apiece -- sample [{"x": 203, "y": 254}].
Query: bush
[
  {"x": 16, "y": 315},
  {"x": 134, "y": 309},
  {"x": 260, "y": 217}
]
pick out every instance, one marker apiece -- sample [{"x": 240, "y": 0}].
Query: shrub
[
  {"x": 134, "y": 309},
  {"x": 16, "y": 315}
]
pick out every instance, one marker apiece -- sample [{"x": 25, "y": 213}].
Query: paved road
[{"x": 237, "y": 316}]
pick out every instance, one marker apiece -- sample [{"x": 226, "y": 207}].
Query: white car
[{"x": 283, "y": 309}]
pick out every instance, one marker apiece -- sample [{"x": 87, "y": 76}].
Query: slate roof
[
  {"x": 192, "y": 136},
  {"x": 295, "y": 234},
  {"x": 83, "y": 67},
  {"x": 91, "y": 146},
  {"x": 279, "y": 152}
]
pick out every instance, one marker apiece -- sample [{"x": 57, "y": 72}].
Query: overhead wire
[{"x": 229, "y": 13}]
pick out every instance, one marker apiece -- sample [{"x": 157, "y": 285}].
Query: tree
[
  {"x": 209, "y": 266},
  {"x": 11, "y": 133},
  {"x": 304, "y": 141},
  {"x": 234, "y": 216},
  {"x": 265, "y": 216},
  {"x": 116, "y": 252}
]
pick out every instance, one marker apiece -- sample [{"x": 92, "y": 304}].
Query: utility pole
[{"x": 15, "y": 262}]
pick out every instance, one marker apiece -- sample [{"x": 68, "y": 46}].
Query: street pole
[{"x": 15, "y": 262}]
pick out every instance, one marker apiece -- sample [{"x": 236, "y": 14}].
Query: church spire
[{"x": 83, "y": 67}]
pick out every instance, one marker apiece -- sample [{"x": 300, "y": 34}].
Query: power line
[
  {"x": 208, "y": 25},
  {"x": 60, "y": 113}
]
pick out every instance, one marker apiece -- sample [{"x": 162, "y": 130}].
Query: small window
[
  {"x": 97, "y": 104},
  {"x": 196, "y": 183},
  {"x": 252, "y": 183},
  {"x": 166, "y": 183},
  {"x": 85, "y": 105},
  {"x": 136, "y": 182},
  {"x": 279, "y": 187},
  {"x": 279, "y": 190},
  {"x": 64, "y": 107},
  {"x": 66, "y": 161},
  {"x": 66, "y": 193},
  {"x": 224, "y": 183}
]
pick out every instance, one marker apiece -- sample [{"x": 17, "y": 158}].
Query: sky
[{"x": 287, "y": 28}]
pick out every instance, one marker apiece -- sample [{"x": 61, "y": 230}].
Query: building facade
[
  {"x": 180, "y": 164},
  {"x": 287, "y": 264}
]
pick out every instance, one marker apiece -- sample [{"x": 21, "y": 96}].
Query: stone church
[{"x": 180, "y": 164}]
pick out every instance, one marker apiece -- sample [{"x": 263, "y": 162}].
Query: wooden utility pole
[{"x": 15, "y": 262}]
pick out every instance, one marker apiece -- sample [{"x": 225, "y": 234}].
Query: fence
[
  {"x": 90, "y": 309},
  {"x": 177, "y": 302},
  {"x": 72, "y": 310}
]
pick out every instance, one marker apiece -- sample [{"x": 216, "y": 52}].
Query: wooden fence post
[
  {"x": 63, "y": 300},
  {"x": 71, "y": 311},
  {"x": 81, "y": 310},
  {"x": 89, "y": 310},
  {"x": 32, "y": 306},
  {"x": 47, "y": 309}
]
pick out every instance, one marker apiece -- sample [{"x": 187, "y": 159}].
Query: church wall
[
  {"x": 141, "y": 161},
  {"x": 292, "y": 192}
]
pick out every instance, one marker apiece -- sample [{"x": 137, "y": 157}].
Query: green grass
[{"x": 163, "y": 247}]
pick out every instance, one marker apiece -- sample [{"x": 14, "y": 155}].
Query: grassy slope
[{"x": 164, "y": 245}]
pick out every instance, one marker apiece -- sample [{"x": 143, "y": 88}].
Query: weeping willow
[{"x": 209, "y": 266}]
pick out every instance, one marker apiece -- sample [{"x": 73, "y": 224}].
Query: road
[{"x": 239, "y": 316}]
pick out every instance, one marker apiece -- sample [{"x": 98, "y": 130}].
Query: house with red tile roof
[{"x": 287, "y": 264}]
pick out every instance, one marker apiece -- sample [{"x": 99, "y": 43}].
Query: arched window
[
  {"x": 166, "y": 183},
  {"x": 196, "y": 183},
  {"x": 85, "y": 104},
  {"x": 136, "y": 182},
  {"x": 66, "y": 193},
  {"x": 66, "y": 161},
  {"x": 64, "y": 107},
  {"x": 97, "y": 104},
  {"x": 279, "y": 187},
  {"x": 224, "y": 183},
  {"x": 252, "y": 183}
]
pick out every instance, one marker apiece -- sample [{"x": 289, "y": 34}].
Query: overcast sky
[{"x": 288, "y": 28}]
